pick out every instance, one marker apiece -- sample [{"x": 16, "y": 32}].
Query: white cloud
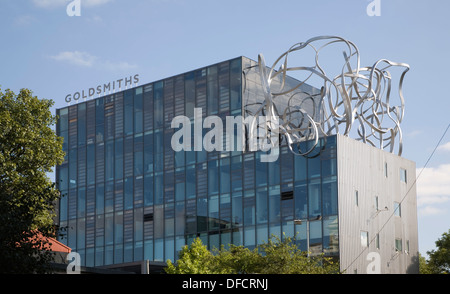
[
  {"x": 76, "y": 58},
  {"x": 433, "y": 189},
  {"x": 84, "y": 59},
  {"x": 431, "y": 211},
  {"x": 61, "y": 3},
  {"x": 445, "y": 147}
]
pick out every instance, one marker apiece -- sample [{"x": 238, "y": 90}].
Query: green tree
[
  {"x": 193, "y": 259},
  {"x": 284, "y": 256},
  {"x": 440, "y": 258},
  {"x": 424, "y": 267},
  {"x": 29, "y": 149},
  {"x": 273, "y": 257}
]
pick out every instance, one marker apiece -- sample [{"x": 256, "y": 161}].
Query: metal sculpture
[{"x": 358, "y": 95}]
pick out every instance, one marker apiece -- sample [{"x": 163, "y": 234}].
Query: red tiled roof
[{"x": 53, "y": 244}]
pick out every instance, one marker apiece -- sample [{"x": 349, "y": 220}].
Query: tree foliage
[
  {"x": 439, "y": 262},
  {"x": 273, "y": 257},
  {"x": 424, "y": 267},
  {"x": 29, "y": 149}
]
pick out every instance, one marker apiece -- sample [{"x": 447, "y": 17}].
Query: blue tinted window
[
  {"x": 158, "y": 111},
  {"x": 81, "y": 124},
  {"x": 225, "y": 210},
  {"x": 329, "y": 192},
  {"x": 118, "y": 159},
  {"x": 261, "y": 206},
  {"x": 261, "y": 170},
  {"x": 148, "y": 152},
  {"x": 159, "y": 188},
  {"x": 148, "y": 190},
  {"x": 190, "y": 182},
  {"x": 315, "y": 236},
  {"x": 128, "y": 112},
  {"x": 138, "y": 112},
  {"x": 300, "y": 163},
  {"x": 314, "y": 167},
  {"x": 274, "y": 204},
  {"x": 128, "y": 193},
  {"x": 100, "y": 199},
  {"x": 212, "y": 91},
  {"x": 301, "y": 200},
  {"x": 225, "y": 175},
  {"x": 249, "y": 208},
  {"x": 109, "y": 160},
  {"x": 235, "y": 84},
  {"x": 213, "y": 177},
  {"x": 236, "y": 207},
  {"x": 330, "y": 236},
  {"x": 314, "y": 198}
]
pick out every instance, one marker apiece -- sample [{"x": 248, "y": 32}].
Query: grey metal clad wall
[{"x": 362, "y": 168}]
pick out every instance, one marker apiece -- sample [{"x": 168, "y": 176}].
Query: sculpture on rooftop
[{"x": 357, "y": 99}]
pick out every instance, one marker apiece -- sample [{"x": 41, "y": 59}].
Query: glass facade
[{"x": 128, "y": 196}]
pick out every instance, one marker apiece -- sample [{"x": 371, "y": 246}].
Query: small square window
[{"x": 364, "y": 239}]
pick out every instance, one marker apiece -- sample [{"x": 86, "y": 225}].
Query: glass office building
[{"x": 127, "y": 196}]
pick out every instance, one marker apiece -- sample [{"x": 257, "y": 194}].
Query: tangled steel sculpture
[{"x": 357, "y": 95}]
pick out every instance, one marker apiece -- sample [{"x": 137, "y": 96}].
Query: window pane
[
  {"x": 274, "y": 204},
  {"x": 364, "y": 239},
  {"x": 314, "y": 198},
  {"x": 148, "y": 152},
  {"x": 225, "y": 175},
  {"x": 118, "y": 158},
  {"x": 100, "y": 199},
  {"x": 128, "y": 113},
  {"x": 148, "y": 190},
  {"x": 397, "y": 209},
  {"x": 314, "y": 167},
  {"x": 235, "y": 84},
  {"x": 128, "y": 193},
  {"x": 315, "y": 237},
  {"x": 109, "y": 161},
  {"x": 403, "y": 177},
  {"x": 212, "y": 91},
  {"x": 236, "y": 207},
  {"x": 300, "y": 167},
  {"x": 261, "y": 206},
  {"x": 159, "y": 188},
  {"x": 301, "y": 200},
  {"x": 329, "y": 192},
  {"x": 190, "y": 181},
  {"x": 213, "y": 177},
  {"x": 249, "y": 208},
  {"x": 398, "y": 245},
  {"x": 81, "y": 124},
  {"x": 138, "y": 113},
  {"x": 225, "y": 210}
]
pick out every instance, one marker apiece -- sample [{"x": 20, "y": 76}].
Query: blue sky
[{"x": 45, "y": 50}]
